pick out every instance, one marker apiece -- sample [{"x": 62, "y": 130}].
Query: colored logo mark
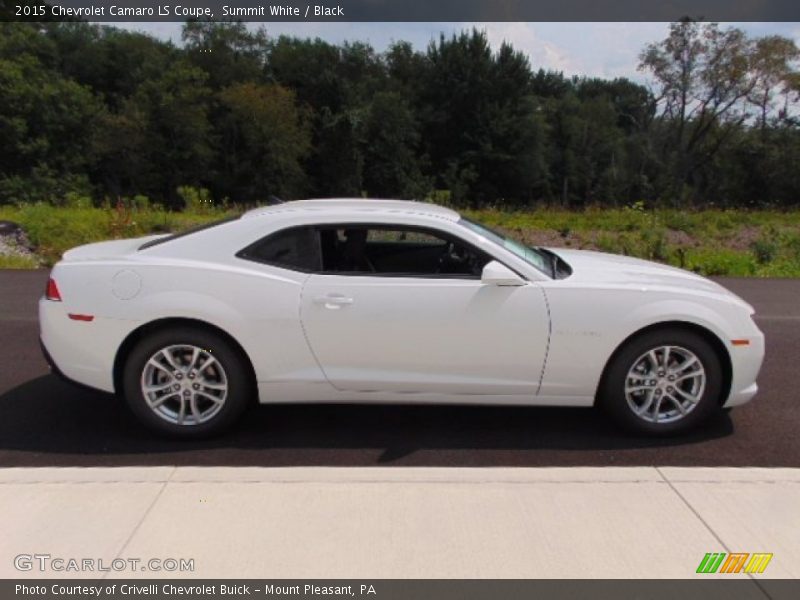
[{"x": 735, "y": 562}]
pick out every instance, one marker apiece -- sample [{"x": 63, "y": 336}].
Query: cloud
[{"x": 523, "y": 37}]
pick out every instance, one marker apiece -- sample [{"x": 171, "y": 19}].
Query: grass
[
  {"x": 17, "y": 262},
  {"x": 742, "y": 243},
  {"x": 53, "y": 230},
  {"x": 764, "y": 243}
]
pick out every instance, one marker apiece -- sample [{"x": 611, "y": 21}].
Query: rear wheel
[
  {"x": 663, "y": 382},
  {"x": 186, "y": 382}
]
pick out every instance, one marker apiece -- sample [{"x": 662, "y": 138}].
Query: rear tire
[
  {"x": 663, "y": 382},
  {"x": 186, "y": 383}
]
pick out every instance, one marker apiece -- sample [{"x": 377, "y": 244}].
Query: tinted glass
[
  {"x": 398, "y": 251},
  {"x": 295, "y": 248},
  {"x": 533, "y": 256}
]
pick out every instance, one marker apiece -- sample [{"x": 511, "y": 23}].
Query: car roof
[{"x": 344, "y": 206}]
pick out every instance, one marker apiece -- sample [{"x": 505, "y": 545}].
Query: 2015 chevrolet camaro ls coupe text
[{"x": 390, "y": 301}]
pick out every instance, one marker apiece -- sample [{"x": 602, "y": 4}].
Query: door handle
[{"x": 333, "y": 301}]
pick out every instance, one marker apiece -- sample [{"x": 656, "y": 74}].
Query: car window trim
[
  {"x": 438, "y": 233},
  {"x": 446, "y": 235}
]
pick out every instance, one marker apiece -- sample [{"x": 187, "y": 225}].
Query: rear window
[
  {"x": 296, "y": 248},
  {"x": 189, "y": 231}
]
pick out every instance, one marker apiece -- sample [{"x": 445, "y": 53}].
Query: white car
[{"x": 373, "y": 301}]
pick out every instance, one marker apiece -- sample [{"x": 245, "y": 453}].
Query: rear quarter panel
[{"x": 257, "y": 305}]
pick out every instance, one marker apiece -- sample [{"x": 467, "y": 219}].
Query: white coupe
[{"x": 358, "y": 300}]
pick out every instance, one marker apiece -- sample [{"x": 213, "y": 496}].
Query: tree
[
  {"x": 336, "y": 83},
  {"x": 771, "y": 61},
  {"x": 227, "y": 52},
  {"x": 46, "y": 122},
  {"x": 177, "y": 136},
  {"x": 93, "y": 109},
  {"x": 706, "y": 77},
  {"x": 392, "y": 164},
  {"x": 264, "y": 139},
  {"x": 112, "y": 62},
  {"x": 480, "y": 122}
]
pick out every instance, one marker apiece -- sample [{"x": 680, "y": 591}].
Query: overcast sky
[{"x": 595, "y": 49}]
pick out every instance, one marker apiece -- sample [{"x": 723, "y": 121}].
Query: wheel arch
[
  {"x": 138, "y": 334},
  {"x": 716, "y": 343}
]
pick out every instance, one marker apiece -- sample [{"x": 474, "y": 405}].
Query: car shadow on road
[{"x": 46, "y": 421}]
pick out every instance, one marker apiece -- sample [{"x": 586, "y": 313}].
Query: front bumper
[{"x": 746, "y": 363}]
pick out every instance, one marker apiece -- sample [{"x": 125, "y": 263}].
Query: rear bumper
[
  {"x": 79, "y": 351},
  {"x": 50, "y": 362},
  {"x": 58, "y": 372}
]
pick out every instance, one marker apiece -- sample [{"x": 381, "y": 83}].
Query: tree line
[{"x": 106, "y": 113}]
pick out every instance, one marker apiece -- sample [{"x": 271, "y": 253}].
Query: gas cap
[{"x": 126, "y": 284}]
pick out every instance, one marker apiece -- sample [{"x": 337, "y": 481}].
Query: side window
[
  {"x": 397, "y": 251},
  {"x": 296, "y": 248}
]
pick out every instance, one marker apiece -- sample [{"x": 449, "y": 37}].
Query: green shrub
[
  {"x": 607, "y": 243},
  {"x": 765, "y": 248},
  {"x": 140, "y": 202},
  {"x": 17, "y": 262},
  {"x": 791, "y": 241},
  {"x": 678, "y": 221},
  {"x": 781, "y": 267},
  {"x": 195, "y": 199},
  {"x": 76, "y": 200},
  {"x": 439, "y": 197},
  {"x": 633, "y": 231},
  {"x": 720, "y": 261},
  {"x": 655, "y": 244},
  {"x": 53, "y": 230}
]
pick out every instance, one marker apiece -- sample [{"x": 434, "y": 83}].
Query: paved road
[{"x": 44, "y": 421}]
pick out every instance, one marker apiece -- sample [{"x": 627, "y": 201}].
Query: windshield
[{"x": 533, "y": 256}]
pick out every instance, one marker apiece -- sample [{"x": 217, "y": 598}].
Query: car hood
[{"x": 601, "y": 268}]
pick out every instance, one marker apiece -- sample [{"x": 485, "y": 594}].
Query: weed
[
  {"x": 765, "y": 248},
  {"x": 13, "y": 261},
  {"x": 715, "y": 247}
]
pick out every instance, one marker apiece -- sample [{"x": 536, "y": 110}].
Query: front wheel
[
  {"x": 186, "y": 383},
  {"x": 663, "y": 382}
]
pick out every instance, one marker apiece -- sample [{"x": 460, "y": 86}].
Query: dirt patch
[
  {"x": 589, "y": 240},
  {"x": 549, "y": 238},
  {"x": 742, "y": 239},
  {"x": 681, "y": 239}
]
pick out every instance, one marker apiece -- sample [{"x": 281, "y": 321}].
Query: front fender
[{"x": 586, "y": 335}]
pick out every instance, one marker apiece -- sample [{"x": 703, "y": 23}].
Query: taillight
[{"x": 52, "y": 293}]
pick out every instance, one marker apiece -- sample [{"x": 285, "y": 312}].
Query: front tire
[
  {"x": 186, "y": 383},
  {"x": 663, "y": 382}
]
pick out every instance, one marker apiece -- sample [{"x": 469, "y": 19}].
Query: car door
[{"x": 423, "y": 332}]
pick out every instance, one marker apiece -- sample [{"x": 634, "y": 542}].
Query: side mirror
[{"x": 495, "y": 273}]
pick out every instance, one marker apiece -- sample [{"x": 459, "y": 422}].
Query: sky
[{"x": 594, "y": 49}]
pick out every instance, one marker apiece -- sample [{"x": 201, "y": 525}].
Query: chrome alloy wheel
[
  {"x": 665, "y": 384},
  {"x": 184, "y": 384}
]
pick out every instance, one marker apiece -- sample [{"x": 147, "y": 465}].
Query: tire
[
  {"x": 186, "y": 399},
  {"x": 696, "y": 383}
]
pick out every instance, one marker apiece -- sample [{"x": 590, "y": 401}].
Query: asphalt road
[{"x": 46, "y": 422}]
